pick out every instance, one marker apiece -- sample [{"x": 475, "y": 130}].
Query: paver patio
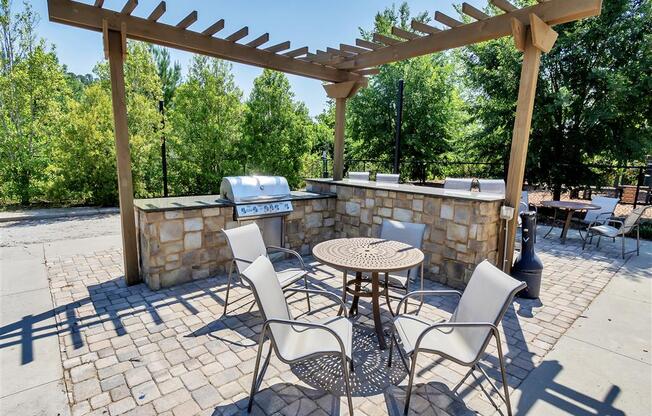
[{"x": 130, "y": 350}]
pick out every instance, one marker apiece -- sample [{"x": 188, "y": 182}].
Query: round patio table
[
  {"x": 570, "y": 207},
  {"x": 372, "y": 255}
]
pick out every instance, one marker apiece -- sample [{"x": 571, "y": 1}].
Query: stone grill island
[
  {"x": 179, "y": 238},
  {"x": 461, "y": 227}
]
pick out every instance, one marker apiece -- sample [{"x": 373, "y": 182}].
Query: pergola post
[
  {"x": 340, "y": 92},
  {"x": 532, "y": 40},
  {"x": 116, "y": 52}
]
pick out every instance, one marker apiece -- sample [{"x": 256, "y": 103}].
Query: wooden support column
[
  {"x": 123, "y": 157},
  {"x": 341, "y": 92},
  {"x": 537, "y": 38}
]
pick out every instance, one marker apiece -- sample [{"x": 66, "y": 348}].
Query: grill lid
[{"x": 242, "y": 189}]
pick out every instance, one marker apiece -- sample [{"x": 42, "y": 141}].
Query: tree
[
  {"x": 592, "y": 104},
  {"x": 34, "y": 97},
  {"x": 277, "y": 130},
  {"x": 83, "y": 166},
  {"x": 169, "y": 74},
  {"x": 205, "y": 119},
  {"x": 433, "y": 110}
]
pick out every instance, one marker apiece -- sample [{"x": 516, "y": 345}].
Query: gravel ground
[{"x": 55, "y": 229}]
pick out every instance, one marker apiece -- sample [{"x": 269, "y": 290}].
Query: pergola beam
[
  {"x": 260, "y": 40},
  {"x": 447, "y": 20},
  {"x": 279, "y": 47},
  {"x": 188, "y": 20},
  {"x": 367, "y": 44},
  {"x": 471, "y": 11},
  {"x": 380, "y": 38},
  {"x": 214, "y": 28},
  {"x": 129, "y": 6},
  {"x": 424, "y": 28},
  {"x": 503, "y": 5},
  {"x": 397, "y": 31},
  {"x": 296, "y": 52},
  {"x": 89, "y": 17},
  {"x": 157, "y": 12},
  {"x": 552, "y": 12},
  {"x": 237, "y": 35}
]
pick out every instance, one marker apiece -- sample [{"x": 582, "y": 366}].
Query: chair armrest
[
  {"x": 320, "y": 292},
  {"x": 288, "y": 251},
  {"x": 307, "y": 325},
  {"x": 453, "y": 325},
  {"x": 446, "y": 292}
]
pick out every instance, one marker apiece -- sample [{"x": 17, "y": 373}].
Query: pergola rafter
[{"x": 344, "y": 70}]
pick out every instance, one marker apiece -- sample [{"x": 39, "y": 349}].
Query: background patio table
[
  {"x": 570, "y": 207},
  {"x": 372, "y": 255}
]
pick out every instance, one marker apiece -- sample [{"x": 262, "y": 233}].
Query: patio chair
[
  {"x": 492, "y": 186},
  {"x": 465, "y": 337},
  {"x": 246, "y": 243},
  {"x": 387, "y": 177},
  {"x": 461, "y": 184},
  {"x": 599, "y": 216},
  {"x": 292, "y": 340},
  {"x": 407, "y": 233},
  {"x": 631, "y": 222},
  {"x": 358, "y": 176}
]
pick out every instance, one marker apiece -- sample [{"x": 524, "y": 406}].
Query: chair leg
[
  {"x": 347, "y": 384},
  {"x": 622, "y": 238},
  {"x": 413, "y": 369},
  {"x": 305, "y": 284},
  {"x": 586, "y": 239},
  {"x": 421, "y": 288},
  {"x": 597, "y": 245},
  {"x": 258, "y": 378},
  {"x": 503, "y": 373},
  {"x": 228, "y": 289}
]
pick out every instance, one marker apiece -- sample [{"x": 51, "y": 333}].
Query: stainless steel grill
[{"x": 257, "y": 196}]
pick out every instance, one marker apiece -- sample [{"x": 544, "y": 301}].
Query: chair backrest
[
  {"x": 387, "y": 177},
  {"x": 524, "y": 205},
  {"x": 405, "y": 232},
  {"x": 261, "y": 277},
  {"x": 462, "y": 184},
  {"x": 607, "y": 206},
  {"x": 492, "y": 186},
  {"x": 246, "y": 243},
  {"x": 359, "y": 176},
  {"x": 485, "y": 299},
  {"x": 633, "y": 218}
]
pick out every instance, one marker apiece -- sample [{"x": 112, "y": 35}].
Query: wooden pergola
[{"x": 344, "y": 70}]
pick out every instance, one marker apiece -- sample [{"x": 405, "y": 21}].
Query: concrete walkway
[
  {"x": 603, "y": 364},
  {"x": 31, "y": 379},
  {"x": 45, "y": 213}
]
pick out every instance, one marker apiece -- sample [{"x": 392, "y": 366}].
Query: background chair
[
  {"x": 407, "y": 233},
  {"x": 465, "y": 337},
  {"x": 461, "y": 184},
  {"x": 293, "y": 340},
  {"x": 387, "y": 177},
  {"x": 632, "y": 221},
  {"x": 358, "y": 176},
  {"x": 492, "y": 186},
  {"x": 246, "y": 243},
  {"x": 599, "y": 216}
]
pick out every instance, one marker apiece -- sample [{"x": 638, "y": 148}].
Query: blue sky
[{"x": 313, "y": 23}]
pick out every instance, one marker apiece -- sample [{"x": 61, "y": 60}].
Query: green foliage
[
  {"x": 205, "y": 121},
  {"x": 593, "y": 98},
  {"x": 169, "y": 74},
  {"x": 34, "y": 97},
  {"x": 433, "y": 112},
  {"x": 277, "y": 130}
]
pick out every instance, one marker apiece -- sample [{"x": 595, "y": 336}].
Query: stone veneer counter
[
  {"x": 461, "y": 227},
  {"x": 180, "y": 239}
]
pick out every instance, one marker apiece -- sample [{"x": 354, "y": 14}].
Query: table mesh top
[{"x": 368, "y": 254}]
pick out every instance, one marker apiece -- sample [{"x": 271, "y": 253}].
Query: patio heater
[{"x": 528, "y": 266}]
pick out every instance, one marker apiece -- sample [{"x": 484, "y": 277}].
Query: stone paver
[{"x": 131, "y": 350}]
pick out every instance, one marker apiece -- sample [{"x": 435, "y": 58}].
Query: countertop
[
  {"x": 414, "y": 189},
  {"x": 210, "y": 201}
]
